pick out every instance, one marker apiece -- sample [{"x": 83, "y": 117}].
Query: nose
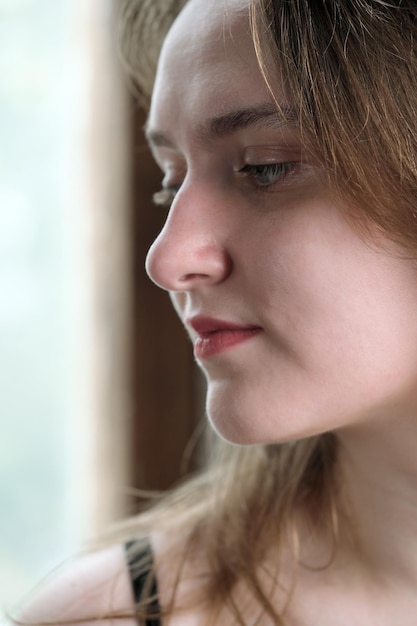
[{"x": 190, "y": 251}]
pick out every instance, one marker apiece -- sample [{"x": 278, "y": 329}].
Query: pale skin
[{"x": 273, "y": 249}]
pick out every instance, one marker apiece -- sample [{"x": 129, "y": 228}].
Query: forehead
[
  {"x": 207, "y": 64},
  {"x": 202, "y": 21}
]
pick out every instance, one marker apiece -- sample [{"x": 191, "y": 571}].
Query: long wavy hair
[{"x": 351, "y": 69}]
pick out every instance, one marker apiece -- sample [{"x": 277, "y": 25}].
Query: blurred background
[{"x": 98, "y": 390}]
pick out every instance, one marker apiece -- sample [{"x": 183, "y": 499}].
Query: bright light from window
[{"x": 46, "y": 434}]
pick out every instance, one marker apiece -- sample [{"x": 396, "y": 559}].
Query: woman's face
[{"x": 299, "y": 324}]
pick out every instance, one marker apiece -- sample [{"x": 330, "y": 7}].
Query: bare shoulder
[
  {"x": 179, "y": 574},
  {"x": 92, "y": 586}
]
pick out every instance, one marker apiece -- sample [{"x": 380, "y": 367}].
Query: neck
[{"x": 378, "y": 473}]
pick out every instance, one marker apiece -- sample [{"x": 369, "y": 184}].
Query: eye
[
  {"x": 165, "y": 197},
  {"x": 266, "y": 175}
]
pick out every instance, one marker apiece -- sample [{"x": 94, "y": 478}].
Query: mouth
[{"x": 216, "y": 336}]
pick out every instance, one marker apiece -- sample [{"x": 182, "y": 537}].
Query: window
[{"x": 64, "y": 292}]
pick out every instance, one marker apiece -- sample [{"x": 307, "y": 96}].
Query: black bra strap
[{"x": 138, "y": 581}]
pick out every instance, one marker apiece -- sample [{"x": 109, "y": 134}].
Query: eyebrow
[{"x": 230, "y": 123}]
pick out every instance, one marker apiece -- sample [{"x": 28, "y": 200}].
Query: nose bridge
[{"x": 190, "y": 250}]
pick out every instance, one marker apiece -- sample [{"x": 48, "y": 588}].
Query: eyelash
[
  {"x": 165, "y": 197},
  {"x": 279, "y": 171}
]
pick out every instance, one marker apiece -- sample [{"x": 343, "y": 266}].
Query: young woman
[{"x": 286, "y": 131}]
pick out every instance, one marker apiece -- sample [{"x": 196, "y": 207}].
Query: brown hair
[{"x": 350, "y": 67}]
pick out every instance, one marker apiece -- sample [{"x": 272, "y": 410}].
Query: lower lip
[{"x": 213, "y": 343}]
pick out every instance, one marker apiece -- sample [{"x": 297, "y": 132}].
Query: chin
[
  {"x": 232, "y": 434},
  {"x": 245, "y": 425},
  {"x": 241, "y": 426}
]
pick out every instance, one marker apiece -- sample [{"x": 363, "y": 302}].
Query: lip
[{"x": 216, "y": 336}]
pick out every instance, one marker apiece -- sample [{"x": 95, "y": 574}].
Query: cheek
[{"x": 320, "y": 282}]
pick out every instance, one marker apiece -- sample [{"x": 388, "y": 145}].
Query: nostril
[
  {"x": 183, "y": 259},
  {"x": 190, "y": 277}
]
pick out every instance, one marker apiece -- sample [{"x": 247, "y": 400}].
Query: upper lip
[{"x": 204, "y": 325}]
